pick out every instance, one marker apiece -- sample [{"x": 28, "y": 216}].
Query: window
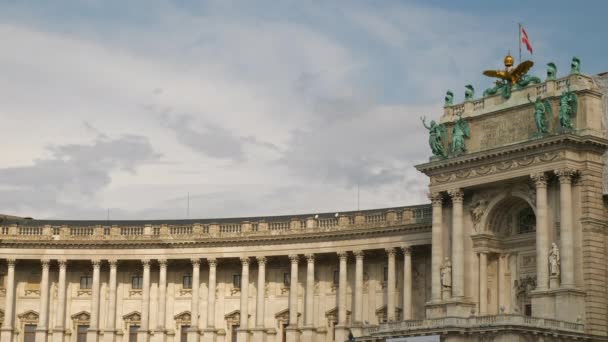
[
  {"x": 29, "y": 333},
  {"x": 82, "y": 333},
  {"x": 184, "y": 333},
  {"x": 86, "y": 282},
  {"x": 385, "y": 274},
  {"x": 234, "y": 329},
  {"x": 336, "y": 278},
  {"x": 526, "y": 221},
  {"x": 137, "y": 282},
  {"x": 187, "y": 281},
  {"x": 284, "y": 332},
  {"x": 528, "y": 310},
  {"x": 133, "y": 329},
  {"x": 236, "y": 281},
  {"x": 286, "y": 279}
]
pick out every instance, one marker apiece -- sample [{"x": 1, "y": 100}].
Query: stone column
[
  {"x": 210, "y": 332},
  {"x": 193, "y": 335},
  {"x": 566, "y": 232},
  {"x": 110, "y": 333},
  {"x": 60, "y": 309},
  {"x": 143, "y": 333},
  {"x": 483, "y": 283},
  {"x": 258, "y": 332},
  {"x": 9, "y": 301},
  {"x": 407, "y": 283},
  {"x": 162, "y": 298},
  {"x": 43, "y": 318},
  {"x": 437, "y": 246},
  {"x": 341, "y": 328},
  {"x": 358, "y": 314},
  {"x": 292, "y": 328},
  {"x": 542, "y": 231},
  {"x": 308, "y": 329},
  {"x": 457, "y": 244},
  {"x": 390, "y": 285},
  {"x": 243, "y": 330},
  {"x": 501, "y": 283}
]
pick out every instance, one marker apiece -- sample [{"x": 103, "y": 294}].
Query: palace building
[{"x": 512, "y": 247}]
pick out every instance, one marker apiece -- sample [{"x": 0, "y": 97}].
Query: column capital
[
  {"x": 407, "y": 250},
  {"x": 359, "y": 254},
  {"x": 310, "y": 257},
  {"x": 11, "y": 262},
  {"x": 566, "y": 174},
  {"x": 261, "y": 260},
  {"x": 162, "y": 262},
  {"x": 342, "y": 255},
  {"x": 540, "y": 179},
  {"x": 456, "y": 195},
  {"x": 436, "y": 198},
  {"x": 212, "y": 262},
  {"x": 45, "y": 262},
  {"x": 62, "y": 263},
  {"x": 245, "y": 261},
  {"x": 145, "y": 263},
  {"x": 96, "y": 263},
  {"x": 294, "y": 258},
  {"x": 113, "y": 262},
  {"x": 391, "y": 251},
  {"x": 195, "y": 262}
]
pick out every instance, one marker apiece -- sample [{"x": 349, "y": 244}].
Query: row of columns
[{"x": 209, "y": 332}]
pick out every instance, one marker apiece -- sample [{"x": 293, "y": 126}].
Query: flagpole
[{"x": 519, "y": 43}]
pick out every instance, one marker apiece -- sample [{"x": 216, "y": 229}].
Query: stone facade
[{"x": 512, "y": 248}]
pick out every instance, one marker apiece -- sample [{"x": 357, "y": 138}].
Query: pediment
[
  {"x": 30, "y": 316},
  {"x": 81, "y": 316},
  {"x": 284, "y": 314},
  {"x": 234, "y": 315},
  {"x": 184, "y": 316},
  {"x": 134, "y": 316}
]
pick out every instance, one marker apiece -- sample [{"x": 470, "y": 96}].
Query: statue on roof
[
  {"x": 449, "y": 98},
  {"x": 551, "y": 71},
  {"x": 437, "y": 137},
  {"x": 469, "y": 92},
  {"x": 541, "y": 108},
  {"x": 568, "y": 106},
  {"x": 511, "y": 77},
  {"x": 575, "y": 65},
  {"x": 460, "y": 132}
]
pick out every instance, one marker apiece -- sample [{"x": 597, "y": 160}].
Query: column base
[
  {"x": 259, "y": 334},
  {"x": 341, "y": 333},
  {"x": 108, "y": 336},
  {"x": 210, "y": 335},
  {"x": 242, "y": 335},
  {"x": 193, "y": 335},
  {"x": 308, "y": 334},
  {"x": 293, "y": 334}
]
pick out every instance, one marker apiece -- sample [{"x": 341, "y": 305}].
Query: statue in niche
[
  {"x": 460, "y": 131},
  {"x": 575, "y": 65},
  {"x": 437, "y": 137},
  {"x": 541, "y": 108},
  {"x": 449, "y": 98},
  {"x": 568, "y": 106},
  {"x": 478, "y": 207},
  {"x": 446, "y": 273},
  {"x": 469, "y": 92},
  {"x": 554, "y": 261},
  {"x": 551, "y": 71}
]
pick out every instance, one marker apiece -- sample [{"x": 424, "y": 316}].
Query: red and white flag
[{"x": 526, "y": 40}]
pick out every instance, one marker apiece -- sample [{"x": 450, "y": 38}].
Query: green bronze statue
[
  {"x": 526, "y": 80},
  {"x": 449, "y": 98},
  {"x": 551, "y": 71},
  {"x": 541, "y": 108},
  {"x": 502, "y": 87},
  {"x": 437, "y": 137},
  {"x": 568, "y": 106},
  {"x": 575, "y": 66},
  {"x": 469, "y": 92},
  {"x": 460, "y": 131}
]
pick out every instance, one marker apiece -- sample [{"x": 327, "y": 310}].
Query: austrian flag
[{"x": 525, "y": 39}]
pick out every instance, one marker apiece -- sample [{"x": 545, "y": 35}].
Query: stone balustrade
[
  {"x": 201, "y": 229},
  {"x": 469, "y": 323}
]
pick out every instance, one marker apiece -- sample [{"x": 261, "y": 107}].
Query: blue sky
[{"x": 254, "y": 107}]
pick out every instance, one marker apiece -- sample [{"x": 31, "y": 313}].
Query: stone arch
[{"x": 503, "y": 200}]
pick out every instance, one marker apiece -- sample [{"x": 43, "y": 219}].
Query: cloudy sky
[{"x": 252, "y": 107}]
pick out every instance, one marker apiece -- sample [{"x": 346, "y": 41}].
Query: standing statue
[
  {"x": 460, "y": 131},
  {"x": 541, "y": 107},
  {"x": 437, "y": 137},
  {"x": 554, "y": 261},
  {"x": 568, "y": 106},
  {"x": 446, "y": 273},
  {"x": 469, "y": 92},
  {"x": 551, "y": 71},
  {"x": 449, "y": 98},
  {"x": 575, "y": 65}
]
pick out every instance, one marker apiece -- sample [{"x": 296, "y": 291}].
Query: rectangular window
[
  {"x": 234, "y": 334},
  {"x": 184, "y": 333},
  {"x": 82, "y": 333},
  {"x": 236, "y": 281},
  {"x": 336, "y": 278},
  {"x": 187, "y": 281},
  {"x": 29, "y": 334},
  {"x": 286, "y": 279},
  {"x": 86, "y": 282},
  {"x": 133, "y": 329},
  {"x": 137, "y": 282},
  {"x": 385, "y": 275}
]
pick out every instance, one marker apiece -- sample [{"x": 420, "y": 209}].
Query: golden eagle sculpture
[{"x": 510, "y": 74}]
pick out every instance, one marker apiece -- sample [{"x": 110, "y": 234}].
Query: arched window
[{"x": 526, "y": 221}]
